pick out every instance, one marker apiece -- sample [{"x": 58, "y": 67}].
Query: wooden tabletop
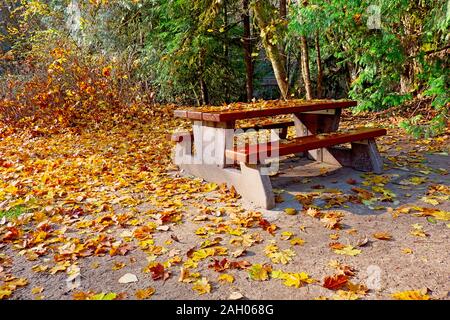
[{"x": 241, "y": 111}]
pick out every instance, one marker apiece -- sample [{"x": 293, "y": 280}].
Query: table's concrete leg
[
  {"x": 256, "y": 187},
  {"x": 248, "y": 182}
]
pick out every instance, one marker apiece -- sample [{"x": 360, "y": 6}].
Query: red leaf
[
  {"x": 335, "y": 282},
  {"x": 157, "y": 271}
]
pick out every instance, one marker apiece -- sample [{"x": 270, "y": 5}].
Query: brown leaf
[
  {"x": 361, "y": 242},
  {"x": 382, "y": 236},
  {"x": 336, "y": 245},
  {"x": 158, "y": 272}
]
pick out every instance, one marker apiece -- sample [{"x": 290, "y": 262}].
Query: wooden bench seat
[
  {"x": 179, "y": 136},
  {"x": 259, "y": 153}
]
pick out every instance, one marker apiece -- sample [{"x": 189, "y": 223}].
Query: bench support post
[
  {"x": 363, "y": 156},
  {"x": 367, "y": 152}
]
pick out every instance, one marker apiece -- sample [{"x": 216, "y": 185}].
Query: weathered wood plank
[
  {"x": 257, "y": 112},
  {"x": 266, "y": 151}
]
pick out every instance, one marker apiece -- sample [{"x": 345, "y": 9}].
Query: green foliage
[
  {"x": 436, "y": 75},
  {"x": 13, "y": 212},
  {"x": 177, "y": 51}
]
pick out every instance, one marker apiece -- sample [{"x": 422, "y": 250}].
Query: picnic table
[{"x": 209, "y": 151}]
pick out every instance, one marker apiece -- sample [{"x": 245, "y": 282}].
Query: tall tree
[
  {"x": 247, "y": 41},
  {"x": 226, "y": 51},
  {"x": 319, "y": 67},
  {"x": 305, "y": 66},
  {"x": 270, "y": 36},
  {"x": 283, "y": 17},
  {"x": 305, "y": 61}
]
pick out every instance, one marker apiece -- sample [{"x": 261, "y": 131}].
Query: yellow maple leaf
[
  {"x": 297, "y": 242},
  {"x": 283, "y": 256},
  {"x": 418, "y": 231},
  {"x": 258, "y": 272},
  {"x": 345, "y": 295},
  {"x": 188, "y": 277},
  {"x": 296, "y": 279},
  {"x": 334, "y": 236},
  {"x": 202, "y": 286},
  {"x": 358, "y": 289},
  {"x": 190, "y": 264},
  {"x": 4, "y": 293},
  {"x": 286, "y": 235},
  {"x": 348, "y": 250},
  {"x": 411, "y": 295},
  {"x": 271, "y": 248},
  {"x": 37, "y": 290},
  {"x": 430, "y": 200},
  {"x": 226, "y": 278},
  {"x": 209, "y": 187},
  {"x": 202, "y": 254},
  {"x": 143, "y": 294}
]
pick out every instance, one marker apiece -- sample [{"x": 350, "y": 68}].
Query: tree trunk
[
  {"x": 319, "y": 68},
  {"x": 283, "y": 9},
  {"x": 263, "y": 10},
  {"x": 204, "y": 91},
  {"x": 305, "y": 67},
  {"x": 247, "y": 50},
  {"x": 283, "y": 16},
  {"x": 226, "y": 51},
  {"x": 300, "y": 78}
]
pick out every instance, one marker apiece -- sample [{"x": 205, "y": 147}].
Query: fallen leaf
[
  {"x": 239, "y": 253},
  {"x": 313, "y": 213},
  {"x": 382, "y": 236},
  {"x": 202, "y": 286},
  {"x": 128, "y": 278},
  {"x": 235, "y": 296},
  {"x": 188, "y": 277},
  {"x": 348, "y": 250},
  {"x": 37, "y": 290},
  {"x": 418, "y": 231},
  {"x": 335, "y": 282},
  {"x": 297, "y": 242},
  {"x": 290, "y": 211},
  {"x": 143, "y": 294},
  {"x": 345, "y": 295},
  {"x": 259, "y": 272},
  {"x": 282, "y": 256},
  {"x": 118, "y": 266},
  {"x": 359, "y": 289},
  {"x": 226, "y": 278},
  {"x": 361, "y": 242},
  {"x": 104, "y": 296},
  {"x": 5, "y": 293},
  {"x": 411, "y": 295}
]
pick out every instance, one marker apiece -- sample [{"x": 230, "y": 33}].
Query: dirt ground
[{"x": 407, "y": 261}]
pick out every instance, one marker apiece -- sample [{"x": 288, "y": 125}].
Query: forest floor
[{"x": 103, "y": 214}]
